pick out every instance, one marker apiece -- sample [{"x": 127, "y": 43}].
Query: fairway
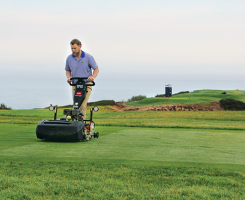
[
  {"x": 137, "y": 156},
  {"x": 137, "y": 144}
]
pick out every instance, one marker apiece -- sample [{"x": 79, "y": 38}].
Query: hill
[{"x": 196, "y": 97}]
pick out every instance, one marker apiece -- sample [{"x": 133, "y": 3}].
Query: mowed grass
[
  {"x": 198, "y": 96},
  {"x": 129, "y": 160},
  {"x": 130, "y": 144},
  {"x": 222, "y": 120},
  {"x": 33, "y": 116},
  {"x": 67, "y": 180}
]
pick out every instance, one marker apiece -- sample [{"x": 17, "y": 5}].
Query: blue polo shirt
[{"x": 81, "y": 67}]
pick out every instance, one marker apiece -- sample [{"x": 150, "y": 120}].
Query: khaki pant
[{"x": 84, "y": 104}]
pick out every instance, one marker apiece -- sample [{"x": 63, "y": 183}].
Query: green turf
[
  {"x": 59, "y": 180},
  {"x": 222, "y": 120},
  {"x": 143, "y": 144},
  {"x": 125, "y": 162},
  {"x": 198, "y": 96}
]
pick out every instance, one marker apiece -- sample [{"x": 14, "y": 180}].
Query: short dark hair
[{"x": 76, "y": 41}]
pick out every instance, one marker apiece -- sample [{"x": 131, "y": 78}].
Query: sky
[{"x": 131, "y": 40}]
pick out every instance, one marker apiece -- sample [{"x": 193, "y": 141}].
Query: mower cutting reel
[{"x": 72, "y": 127}]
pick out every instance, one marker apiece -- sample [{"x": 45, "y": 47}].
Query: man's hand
[
  {"x": 95, "y": 73},
  {"x": 91, "y": 78},
  {"x": 68, "y": 80},
  {"x": 68, "y": 75}
]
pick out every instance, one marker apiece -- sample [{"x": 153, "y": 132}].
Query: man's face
[{"x": 75, "y": 49}]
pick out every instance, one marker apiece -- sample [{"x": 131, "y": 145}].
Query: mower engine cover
[{"x": 61, "y": 130}]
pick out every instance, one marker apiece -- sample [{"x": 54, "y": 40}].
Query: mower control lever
[{"x": 81, "y": 78}]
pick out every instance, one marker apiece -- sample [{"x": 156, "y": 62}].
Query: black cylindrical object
[
  {"x": 168, "y": 91},
  {"x": 61, "y": 130}
]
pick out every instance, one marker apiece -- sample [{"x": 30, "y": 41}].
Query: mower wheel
[{"x": 96, "y": 134}]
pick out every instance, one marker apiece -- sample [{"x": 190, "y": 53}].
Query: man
[{"x": 80, "y": 64}]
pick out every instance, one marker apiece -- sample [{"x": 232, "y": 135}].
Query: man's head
[{"x": 75, "y": 47}]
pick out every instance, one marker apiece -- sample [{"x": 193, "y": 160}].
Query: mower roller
[{"x": 72, "y": 127}]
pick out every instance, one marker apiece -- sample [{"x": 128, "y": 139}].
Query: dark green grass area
[
  {"x": 198, "y": 96},
  {"x": 123, "y": 163},
  {"x": 64, "y": 180}
]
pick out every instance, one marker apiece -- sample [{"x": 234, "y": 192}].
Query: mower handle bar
[{"x": 81, "y": 78}]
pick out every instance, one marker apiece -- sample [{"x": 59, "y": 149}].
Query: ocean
[{"x": 23, "y": 93}]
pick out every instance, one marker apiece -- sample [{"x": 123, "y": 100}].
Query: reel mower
[{"x": 72, "y": 127}]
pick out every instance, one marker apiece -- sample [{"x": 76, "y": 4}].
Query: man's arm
[
  {"x": 68, "y": 75},
  {"x": 95, "y": 73}
]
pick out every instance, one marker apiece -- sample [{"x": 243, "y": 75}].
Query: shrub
[
  {"x": 160, "y": 95},
  {"x": 102, "y": 103},
  {"x": 232, "y": 104},
  {"x": 136, "y": 98},
  {"x": 183, "y": 92},
  {"x": 4, "y": 107}
]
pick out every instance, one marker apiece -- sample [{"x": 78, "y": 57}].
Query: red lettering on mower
[{"x": 79, "y": 93}]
